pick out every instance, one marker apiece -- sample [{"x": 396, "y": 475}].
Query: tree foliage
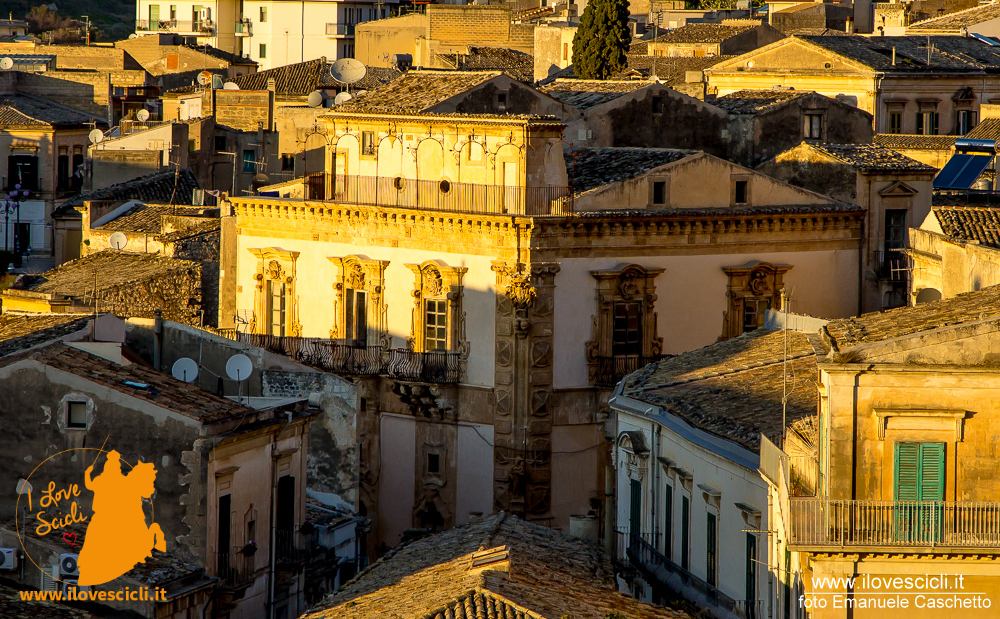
[
  {"x": 40, "y": 19},
  {"x": 601, "y": 40}
]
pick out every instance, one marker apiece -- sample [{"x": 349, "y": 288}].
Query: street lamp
[{"x": 12, "y": 205}]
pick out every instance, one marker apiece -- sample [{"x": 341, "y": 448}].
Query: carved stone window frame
[
  {"x": 276, "y": 264},
  {"x": 433, "y": 279},
  {"x": 359, "y": 272},
  {"x": 625, "y": 282},
  {"x": 744, "y": 284}
]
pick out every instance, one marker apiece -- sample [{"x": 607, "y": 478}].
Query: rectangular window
[
  {"x": 76, "y": 181},
  {"x": 224, "y": 538},
  {"x": 753, "y": 312},
  {"x": 249, "y": 162},
  {"x": 657, "y": 105},
  {"x": 896, "y": 122},
  {"x": 685, "y": 532},
  {"x": 895, "y": 229},
  {"x": 262, "y": 53},
  {"x": 502, "y": 101},
  {"x": 626, "y": 336},
  {"x": 276, "y": 307},
  {"x": 919, "y": 469},
  {"x": 814, "y": 126},
  {"x": 173, "y": 12},
  {"x": 356, "y": 317},
  {"x": 284, "y": 517},
  {"x": 220, "y": 143},
  {"x": 368, "y": 143},
  {"x": 76, "y": 414},
  {"x": 668, "y": 522},
  {"x": 63, "y": 172},
  {"x": 751, "y": 586},
  {"x": 22, "y": 170},
  {"x": 927, "y": 123},
  {"x": 433, "y": 463},
  {"x": 659, "y": 192},
  {"x": 965, "y": 121},
  {"x": 196, "y": 16},
  {"x": 287, "y": 162},
  {"x": 740, "y": 192},
  {"x": 711, "y": 555},
  {"x": 436, "y": 325},
  {"x": 263, "y": 16},
  {"x": 635, "y": 507},
  {"x": 565, "y": 51}
]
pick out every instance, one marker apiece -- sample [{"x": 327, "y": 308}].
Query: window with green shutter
[
  {"x": 668, "y": 522},
  {"x": 919, "y": 469},
  {"x": 712, "y": 557},
  {"x": 635, "y": 508},
  {"x": 685, "y": 530},
  {"x": 751, "y": 585}
]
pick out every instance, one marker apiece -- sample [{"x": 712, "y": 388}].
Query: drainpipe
[
  {"x": 157, "y": 338},
  {"x": 655, "y": 529}
]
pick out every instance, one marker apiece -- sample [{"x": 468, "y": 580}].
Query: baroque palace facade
[{"x": 486, "y": 308}]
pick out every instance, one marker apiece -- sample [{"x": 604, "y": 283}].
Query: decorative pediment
[
  {"x": 926, "y": 420},
  {"x": 633, "y": 441},
  {"x": 898, "y": 189},
  {"x": 274, "y": 253},
  {"x": 792, "y": 53}
]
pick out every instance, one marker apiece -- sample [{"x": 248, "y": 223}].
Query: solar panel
[{"x": 961, "y": 171}]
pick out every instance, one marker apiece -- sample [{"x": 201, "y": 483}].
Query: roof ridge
[
  {"x": 939, "y": 17},
  {"x": 736, "y": 370}
]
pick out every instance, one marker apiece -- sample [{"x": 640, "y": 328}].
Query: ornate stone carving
[
  {"x": 358, "y": 272},
  {"x": 753, "y": 288},
  {"x": 276, "y": 265},
  {"x": 274, "y": 270},
  {"x": 435, "y": 280}
]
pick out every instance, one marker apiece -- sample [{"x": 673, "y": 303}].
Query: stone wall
[{"x": 469, "y": 24}]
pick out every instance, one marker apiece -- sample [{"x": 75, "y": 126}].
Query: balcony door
[
  {"x": 635, "y": 507},
  {"x": 919, "y": 491}
]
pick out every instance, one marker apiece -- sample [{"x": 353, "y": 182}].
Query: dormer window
[{"x": 502, "y": 101}]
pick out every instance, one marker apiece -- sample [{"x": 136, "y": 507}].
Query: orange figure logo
[{"x": 117, "y": 537}]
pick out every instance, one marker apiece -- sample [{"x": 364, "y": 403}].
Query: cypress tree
[{"x": 601, "y": 40}]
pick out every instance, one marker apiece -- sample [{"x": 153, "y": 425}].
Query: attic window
[
  {"x": 657, "y": 105},
  {"x": 76, "y": 415},
  {"x": 502, "y": 101},
  {"x": 740, "y": 192}
]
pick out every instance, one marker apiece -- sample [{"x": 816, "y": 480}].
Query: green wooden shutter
[
  {"x": 711, "y": 558},
  {"x": 685, "y": 529},
  {"x": 668, "y": 522},
  {"x": 907, "y": 472},
  {"x": 931, "y": 471},
  {"x": 751, "y": 587},
  {"x": 635, "y": 509}
]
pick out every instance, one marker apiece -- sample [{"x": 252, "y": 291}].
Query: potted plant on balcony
[{"x": 249, "y": 549}]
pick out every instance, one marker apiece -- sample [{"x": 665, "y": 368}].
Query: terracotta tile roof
[
  {"x": 417, "y": 91},
  {"x": 954, "y": 22},
  {"x": 970, "y": 223},
  {"x": 701, "y": 33},
  {"x": 221, "y": 54},
  {"x": 375, "y": 77},
  {"x": 756, "y": 101},
  {"x": 148, "y": 218},
  {"x": 987, "y": 129},
  {"x": 519, "y": 65},
  {"x": 20, "y": 332},
  {"x": 292, "y": 80},
  {"x": 112, "y": 269},
  {"x": 584, "y": 94},
  {"x": 729, "y": 212},
  {"x": 531, "y": 572},
  {"x": 879, "y": 326},
  {"x": 950, "y": 53},
  {"x": 733, "y": 388},
  {"x": 873, "y": 158},
  {"x": 638, "y": 48},
  {"x": 161, "y": 389},
  {"x": 596, "y": 167},
  {"x": 816, "y": 32},
  {"x": 671, "y": 70},
  {"x": 915, "y": 142},
  {"x": 22, "y": 110},
  {"x": 15, "y": 608},
  {"x": 206, "y": 227},
  {"x": 156, "y": 187}
]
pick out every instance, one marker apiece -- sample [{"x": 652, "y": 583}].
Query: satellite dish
[
  {"x": 230, "y": 86},
  {"x": 118, "y": 240},
  {"x": 348, "y": 70},
  {"x": 315, "y": 98},
  {"x": 362, "y": 92},
  {"x": 133, "y": 36},
  {"x": 342, "y": 98},
  {"x": 216, "y": 82},
  {"x": 239, "y": 367},
  {"x": 260, "y": 180},
  {"x": 23, "y": 486},
  {"x": 142, "y": 115},
  {"x": 96, "y": 136},
  {"x": 185, "y": 369},
  {"x": 205, "y": 78},
  {"x": 6, "y": 63}
]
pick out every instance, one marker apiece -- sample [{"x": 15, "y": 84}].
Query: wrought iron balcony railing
[
  {"x": 235, "y": 569},
  {"x": 885, "y": 524},
  {"x": 444, "y": 195},
  {"x": 203, "y": 27},
  {"x": 289, "y": 546},
  {"x": 610, "y": 370},
  {"x": 341, "y": 357},
  {"x": 892, "y": 265}
]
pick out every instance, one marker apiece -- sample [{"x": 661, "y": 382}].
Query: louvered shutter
[
  {"x": 907, "y": 472},
  {"x": 931, "y": 472}
]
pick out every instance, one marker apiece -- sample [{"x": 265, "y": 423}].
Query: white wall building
[{"x": 272, "y": 32}]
